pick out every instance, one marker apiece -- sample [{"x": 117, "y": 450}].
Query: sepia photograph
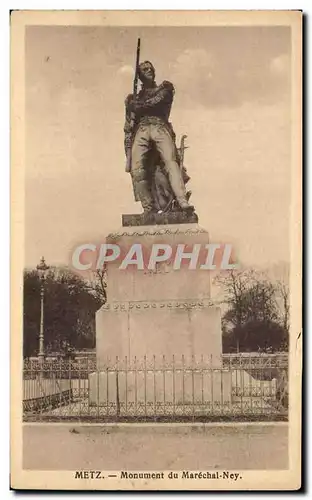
[{"x": 156, "y": 250}]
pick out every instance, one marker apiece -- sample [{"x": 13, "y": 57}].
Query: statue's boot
[
  {"x": 186, "y": 207},
  {"x": 178, "y": 187},
  {"x": 146, "y": 200}
]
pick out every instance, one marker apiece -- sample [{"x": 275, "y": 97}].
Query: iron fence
[{"x": 178, "y": 389}]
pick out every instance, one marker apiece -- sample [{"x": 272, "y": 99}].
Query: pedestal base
[
  {"x": 145, "y": 390},
  {"x": 158, "y": 355}
]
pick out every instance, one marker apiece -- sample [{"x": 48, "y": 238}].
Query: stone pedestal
[
  {"x": 188, "y": 328},
  {"x": 158, "y": 338}
]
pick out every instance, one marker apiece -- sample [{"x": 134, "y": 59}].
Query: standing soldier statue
[{"x": 152, "y": 156}]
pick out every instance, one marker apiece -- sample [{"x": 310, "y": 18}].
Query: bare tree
[
  {"x": 251, "y": 305},
  {"x": 98, "y": 284},
  {"x": 234, "y": 284}
]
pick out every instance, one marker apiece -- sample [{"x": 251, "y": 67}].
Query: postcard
[{"x": 156, "y": 167}]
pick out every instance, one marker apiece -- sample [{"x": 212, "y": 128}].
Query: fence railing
[{"x": 233, "y": 387}]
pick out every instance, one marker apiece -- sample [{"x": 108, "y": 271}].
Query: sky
[{"x": 232, "y": 100}]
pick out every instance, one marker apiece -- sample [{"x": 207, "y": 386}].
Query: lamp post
[{"x": 42, "y": 269}]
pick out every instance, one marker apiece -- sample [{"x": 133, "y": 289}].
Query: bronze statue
[{"x": 155, "y": 164}]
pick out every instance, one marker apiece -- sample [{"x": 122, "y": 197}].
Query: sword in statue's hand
[{"x": 181, "y": 150}]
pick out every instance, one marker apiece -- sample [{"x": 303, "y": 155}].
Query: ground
[{"x": 155, "y": 447}]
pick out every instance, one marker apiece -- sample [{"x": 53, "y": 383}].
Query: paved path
[{"x": 145, "y": 447}]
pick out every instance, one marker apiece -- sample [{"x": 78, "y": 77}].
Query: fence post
[
  {"x": 117, "y": 391},
  {"x": 202, "y": 383},
  {"x": 193, "y": 386},
  {"x": 126, "y": 383},
  {"x": 70, "y": 380},
  {"x": 230, "y": 368},
  {"x": 164, "y": 382},
  {"x": 250, "y": 383},
  {"x": 211, "y": 383},
  {"x": 135, "y": 387},
  {"x": 173, "y": 385},
  {"x": 79, "y": 386},
  {"x": 145, "y": 389},
  {"x": 154, "y": 383},
  {"x": 183, "y": 385},
  {"x": 107, "y": 386}
]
